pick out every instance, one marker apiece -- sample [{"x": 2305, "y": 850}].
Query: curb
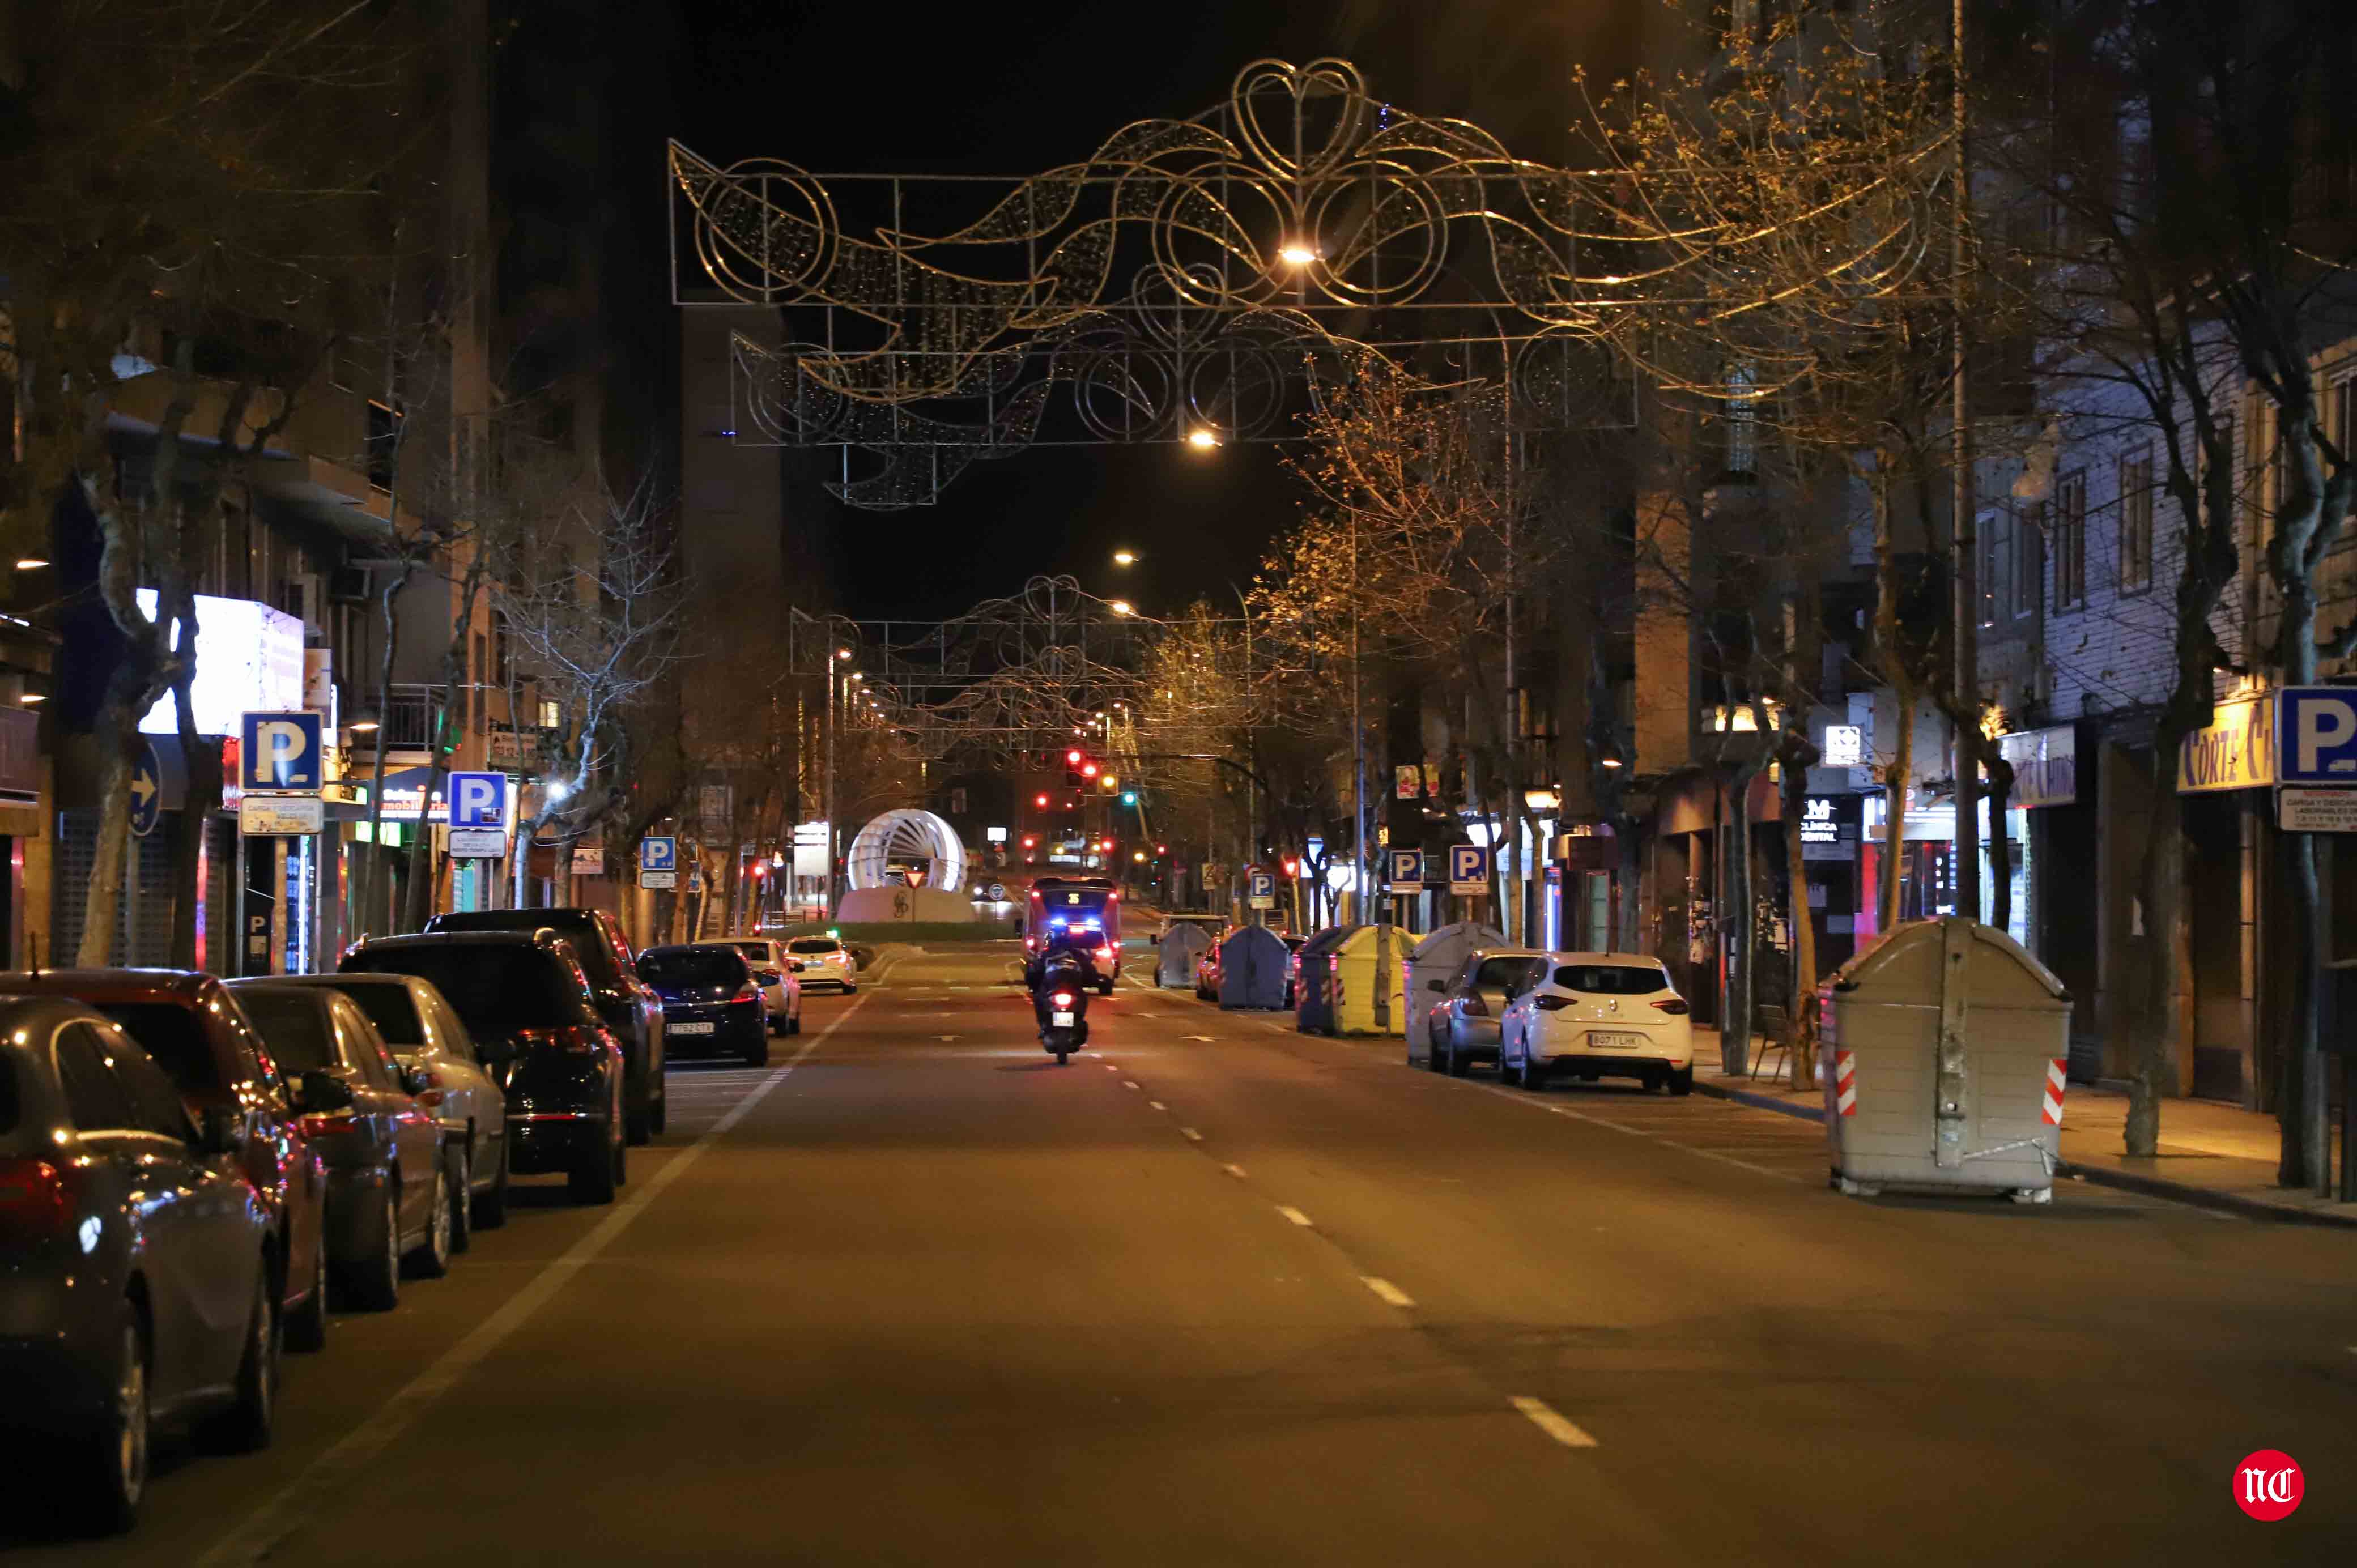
[
  {"x": 2098, "y": 1175},
  {"x": 1759, "y": 1101}
]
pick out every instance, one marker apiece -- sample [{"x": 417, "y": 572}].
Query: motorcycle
[{"x": 1063, "y": 1006}]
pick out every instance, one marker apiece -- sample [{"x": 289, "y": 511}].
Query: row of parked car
[{"x": 192, "y": 1169}]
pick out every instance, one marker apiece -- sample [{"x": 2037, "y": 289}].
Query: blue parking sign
[
  {"x": 2316, "y": 734},
  {"x": 1407, "y": 868},
  {"x": 658, "y": 854},
  {"x": 478, "y": 799},
  {"x": 279, "y": 753},
  {"x": 1468, "y": 868}
]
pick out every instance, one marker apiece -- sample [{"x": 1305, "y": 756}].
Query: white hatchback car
[
  {"x": 823, "y": 961},
  {"x": 781, "y": 986},
  {"x": 1598, "y": 1014}
]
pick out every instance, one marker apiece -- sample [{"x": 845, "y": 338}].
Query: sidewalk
[{"x": 2214, "y": 1157}]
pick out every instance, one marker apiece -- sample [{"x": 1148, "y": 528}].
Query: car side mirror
[
  {"x": 321, "y": 1090},
  {"x": 415, "y": 1081},
  {"x": 220, "y": 1131}
]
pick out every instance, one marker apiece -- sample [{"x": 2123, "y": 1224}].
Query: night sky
[{"x": 1014, "y": 88}]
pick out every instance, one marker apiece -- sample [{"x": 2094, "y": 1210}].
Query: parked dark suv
[
  {"x": 628, "y": 1005},
  {"x": 193, "y": 1027},
  {"x": 525, "y": 998}
]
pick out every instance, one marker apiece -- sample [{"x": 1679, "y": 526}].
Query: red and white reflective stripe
[
  {"x": 2057, "y": 1079},
  {"x": 1845, "y": 1083}
]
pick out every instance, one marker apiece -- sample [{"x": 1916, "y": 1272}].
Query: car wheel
[
  {"x": 491, "y": 1208},
  {"x": 794, "y": 1022},
  {"x": 459, "y": 1193},
  {"x": 247, "y": 1423},
  {"x": 307, "y": 1325},
  {"x": 113, "y": 1461},
  {"x": 1105, "y": 989},
  {"x": 757, "y": 1051},
  {"x": 591, "y": 1180},
  {"x": 430, "y": 1258},
  {"x": 1460, "y": 1063},
  {"x": 1682, "y": 1081},
  {"x": 1534, "y": 1076},
  {"x": 660, "y": 1119},
  {"x": 373, "y": 1283}
]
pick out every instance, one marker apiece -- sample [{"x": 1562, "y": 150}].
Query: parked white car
[
  {"x": 1598, "y": 1014},
  {"x": 774, "y": 971},
  {"x": 824, "y": 961},
  {"x": 424, "y": 1031}
]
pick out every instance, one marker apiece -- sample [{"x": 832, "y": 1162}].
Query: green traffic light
[{"x": 1129, "y": 797}]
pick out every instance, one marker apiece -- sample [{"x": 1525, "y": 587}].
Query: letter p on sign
[{"x": 2325, "y": 725}]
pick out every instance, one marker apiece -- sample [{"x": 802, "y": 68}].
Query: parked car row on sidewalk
[{"x": 192, "y": 1169}]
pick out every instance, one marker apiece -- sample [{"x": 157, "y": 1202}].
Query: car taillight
[
  {"x": 1550, "y": 1003},
  {"x": 35, "y": 1204},
  {"x": 1672, "y": 1005},
  {"x": 579, "y": 1039},
  {"x": 1476, "y": 1008},
  {"x": 750, "y": 994},
  {"x": 1104, "y": 953},
  {"x": 1061, "y": 999},
  {"x": 326, "y": 1124}
]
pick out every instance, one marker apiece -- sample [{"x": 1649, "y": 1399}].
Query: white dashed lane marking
[
  {"x": 1294, "y": 1214},
  {"x": 1547, "y": 1419},
  {"x": 1387, "y": 1291}
]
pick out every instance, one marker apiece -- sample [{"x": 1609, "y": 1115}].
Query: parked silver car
[
  {"x": 465, "y": 1096},
  {"x": 1466, "y": 1011},
  {"x": 781, "y": 989}
]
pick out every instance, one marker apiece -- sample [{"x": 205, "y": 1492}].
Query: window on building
[
  {"x": 1742, "y": 420},
  {"x": 2071, "y": 541},
  {"x": 2029, "y": 556},
  {"x": 384, "y": 444},
  {"x": 2136, "y": 523}
]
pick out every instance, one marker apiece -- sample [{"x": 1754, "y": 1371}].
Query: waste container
[
  {"x": 1948, "y": 1048},
  {"x": 1313, "y": 992},
  {"x": 1174, "y": 961},
  {"x": 1251, "y": 967},
  {"x": 1359, "y": 969},
  {"x": 1438, "y": 955}
]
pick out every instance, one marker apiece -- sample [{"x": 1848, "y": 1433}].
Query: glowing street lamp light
[
  {"x": 1296, "y": 254},
  {"x": 1202, "y": 438},
  {"x": 1125, "y": 557},
  {"x": 1122, "y": 607},
  {"x": 843, "y": 653}
]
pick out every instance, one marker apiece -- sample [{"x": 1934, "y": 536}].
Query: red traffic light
[
  {"x": 1162, "y": 849},
  {"x": 1041, "y": 801},
  {"x": 1291, "y": 866},
  {"x": 1030, "y": 842},
  {"x": 1088, "y": 769},
  {"x": 1073, "y": 756},
  {"x": 1106, "y": 844}
]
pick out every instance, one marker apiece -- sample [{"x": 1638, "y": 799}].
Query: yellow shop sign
[{"x": 2237, "y": 752}]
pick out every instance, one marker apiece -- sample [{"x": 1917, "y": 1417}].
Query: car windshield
[
  {"x": 1611, "y": 979},
  {"x": 691, "y": 966},
  {"x": 293, "y": 1025},
  {"x": 173, "y": 1035},
  {"x": 495, "y": 991},
  {"x": 814, "y": 945},
  {"x": 390, "y": 1008},
  {"x": 758, "y": 952}
]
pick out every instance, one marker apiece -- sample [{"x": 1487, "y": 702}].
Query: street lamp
[
  {"x": 1296, "y": 254},
  {"x": 1202, "y": 438},
  {"x": 1122, "y": 607},
  {"x": 1125, "y": 557}
]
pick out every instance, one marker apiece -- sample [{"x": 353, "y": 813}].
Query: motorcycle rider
[{"x": 1066, "y": 963}]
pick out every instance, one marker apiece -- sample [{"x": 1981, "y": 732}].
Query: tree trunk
[
  {"x": 1735, "y": 1021},
  {"x": 1801, "y": 1017},
  {"x": 2161, "y": 885},
  {"x": 1894, "y": 830}
]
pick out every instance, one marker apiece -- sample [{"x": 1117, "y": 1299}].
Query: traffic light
[
  {"x": 1072, "y": 757},
  {"x": 1041, "y": 801},
  {"x": 1088, "y": 769},
  {"x": 1129, "y": 797}
]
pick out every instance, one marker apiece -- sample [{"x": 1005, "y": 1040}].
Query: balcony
[{"x": 407, "y": 723}]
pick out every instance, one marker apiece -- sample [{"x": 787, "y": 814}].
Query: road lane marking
[
  {"x": 1387, "y": 1291},
  {"x": 1522, "y": 1097},
  {"x": 1237, "y": 1172},
  {"x": 1294, "y": 1215},
  {"x": 1129, "y": 1083},
  {"x": 1191, "y": 1135},
  {"x": 1157, "y": 1105},
  {"x": 349, "y": 1468},
  {"x": 1547, "y": 1419},
  {"x": 1110, "y": 1068}
]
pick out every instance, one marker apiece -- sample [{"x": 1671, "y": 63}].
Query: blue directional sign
[
  {"x": 2316, "y": 734},
  {"x": 478, "y": 799},
  {"x": 1468, "y": 868},
  {"x": 280, "y": 752},
  {"x": 658, "y": 854},
  {"x": 1407, "y": 868},
  {"x": 147, "y": 792}
]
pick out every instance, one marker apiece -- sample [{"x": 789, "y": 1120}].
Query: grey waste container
[
  {"x": 1182, "y": 943},
  {"x": 1947, "y": 1049}
]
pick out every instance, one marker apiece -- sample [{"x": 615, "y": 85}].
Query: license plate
[
  {"x": 1060, "y": 1020},
  {"x": 1600, "y": 1041},
  {"x": 691, "y": 1028}
]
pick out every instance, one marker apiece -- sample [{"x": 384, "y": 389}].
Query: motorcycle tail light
[
  {"x": 1672, "y": 1006},
  {"x": 1061, "y": 999}
]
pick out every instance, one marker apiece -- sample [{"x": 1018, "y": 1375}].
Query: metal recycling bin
[
  {"x": 1946, "y": 1050},
  {"x": 1358, "y": 974},
  {"x": 1314, "y": 988},
  {"x": 1438, "y": 955}
]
